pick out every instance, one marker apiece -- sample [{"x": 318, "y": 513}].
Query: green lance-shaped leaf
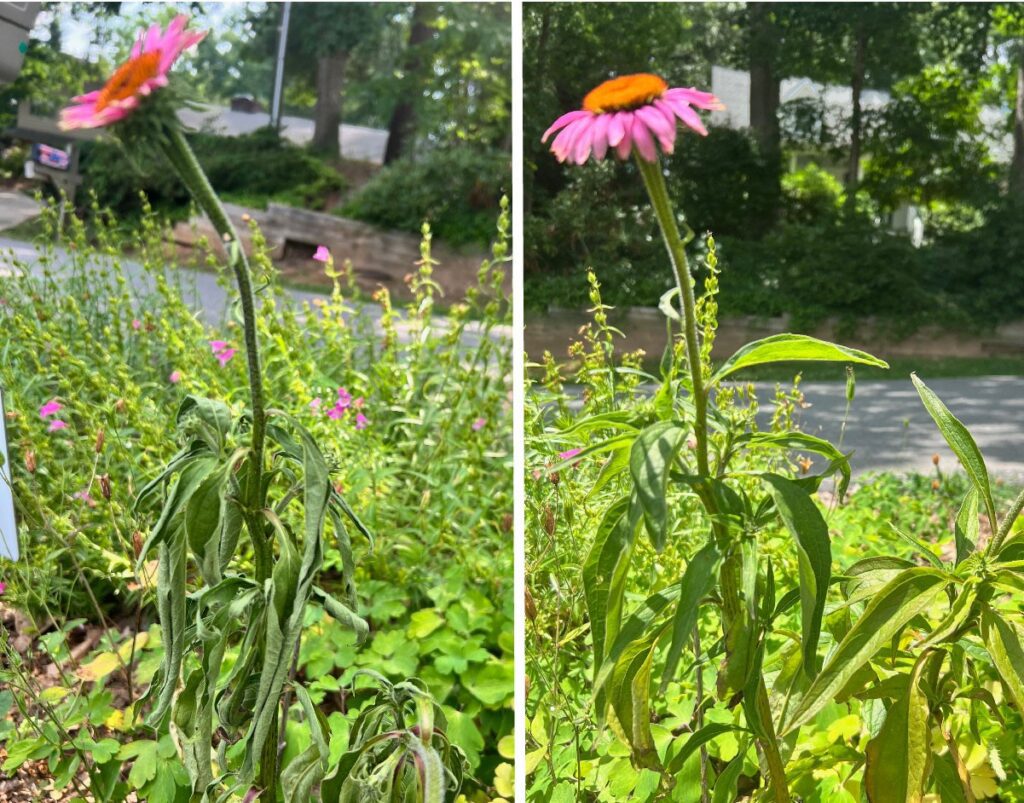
[
  {"x": 192, "y": 475},
  {"x": 800, "y": 441},
  {"x": 904, "y": 597},
  {"x": 791, "y": 348},
  {"x": 898, "y": 758},
  {"x": 308, "y": 768},
  {"x": 728, "y": 779},
  {"x": 814, "y": 556},
  {"x": 966, "y": 527},
  {"x": 697, "y": 582},
  {"x": 697, "y": 740},
  {"x": 629, "y": 694},
  {"x": 604, "y": 577},
  {"x": 1003, "y": 642},
  {"x": 171, "y": 592},
  {"x": 962, "y": 444},
  {"x": 650, "y": 461},
  {"x": 204, "y": 512}
]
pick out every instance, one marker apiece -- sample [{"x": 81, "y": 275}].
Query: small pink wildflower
[
  {"x": 3, "y": 588},
  {"x": 479, "y": 424},
  {"x": 315, "y": 404},
  {"x": 344, "y": 398},
  {"x": 56, "y": 425},
  {"x": 175, "y": 377},
  {"x": 52, "y": 407},
  {"x": 569, "y": 454},
  {"x": 361, "y": 421},
  {"x": 218, "y": 345},
  {"x": 322, "y": 254},
  {"x": 358, "y": 402},
  {"x": 136, "y": 324},
  {"x": 225, "y": 356},
  {"x": 84, "y": 496},
  {"x": 336, "y": 412}
]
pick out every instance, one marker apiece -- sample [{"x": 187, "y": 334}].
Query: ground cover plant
[
  {"x": 311, "y": 449},
  {"x": 750, "y": 637}
]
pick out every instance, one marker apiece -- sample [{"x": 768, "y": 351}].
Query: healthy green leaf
[
  {"x": 698, "y": 580},
  {"x": 650, "y": 461},
  {"x": 814, "y": 557},
  {"x": 1003, "y": 642},
  {"x": 961, "y": 442},
  {"x": 904, "y": 597},
  {"x": 789, "y": 348}
]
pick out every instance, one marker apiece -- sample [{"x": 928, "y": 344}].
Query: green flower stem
[
  {"x": 655, "y": 184},
  {"x": 180, "y": 154},
  {"x": 654, "y": 181},
  {"x": 1007, "y": 525}
]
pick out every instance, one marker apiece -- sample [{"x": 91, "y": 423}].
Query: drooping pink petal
[
  {"x": 600, "y": 135},
  {"x": 655, "y": 121},
  {"x": 563, "y": 121},
  {"x": 361, "y": 421},
  {"x": 88, "y": 97},
  {"x": 225, "y": 356},
  {"x": 52, "y": 407},
  {"x": 581, "y": 146},
  {"x": 322, "y": 254},
  {"x": 625, "y": 146},
  {"x": 688, "y": 116},
  {"x": 694, "y": 97},
  {"x": 565, "y": 142},
  {"x": 643, "y": 140},
  {"x": 56, "y": 425},
  {"x": 616, "y": 128},
  {"x": 218, "y": 345}
]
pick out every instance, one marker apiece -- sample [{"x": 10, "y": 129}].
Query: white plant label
[{"x": 8, "y": 525}]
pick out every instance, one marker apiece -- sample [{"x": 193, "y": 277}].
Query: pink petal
[
  {"x": 688, "y": 116},
  {"x": 52, "y": 407},
  {"x": 361, "y": 421},
  {"x": 153, "y": 38},
  {"x": 617, "y": 128},
  {"x": 694, "y": 97},
  {"x": 565, "y": 142},
  {"x": 88, "y": 97},
  {"x": 568, "y": 454},
  {"x": 56, "y": 425},
  {"x": 643, "y": 140},
  {"x": 175, "y": 377},
  {"x": 563, "y": 121},
  {"x": 581, "y": 146},
  {"x": 218, "y": 345},
  {"x": 322, "y": 254},
  {"x": 225, "y": 356},
  {"x": 655, "y": 121},
  {"x": 600, "y": 136}
]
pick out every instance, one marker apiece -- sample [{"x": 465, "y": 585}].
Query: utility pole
[{"x": 282, "y": 43}]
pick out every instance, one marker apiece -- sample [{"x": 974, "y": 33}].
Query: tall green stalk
[{"x": 654, "y": 181}]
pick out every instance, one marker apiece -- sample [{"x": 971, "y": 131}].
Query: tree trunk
[
  {"x": 330, "y": 78},
  {"x": 856, "y": 118},
  {"x": 402, "y": 125},
  {"x": 1017, "y": 165},
  {"x": 764, "y": 94}
]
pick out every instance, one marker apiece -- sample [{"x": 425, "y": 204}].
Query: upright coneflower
[{"x": 632, "y": 111}]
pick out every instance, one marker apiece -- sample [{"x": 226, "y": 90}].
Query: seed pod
[
  {"x": 506, "y": 523},
  {"x": 935, "y": 459},
  {"x": 554, "y": 478},
  {"x": 105, "y": 486},
  {"x": 549, "y": 520},
  {"x": 30, "y": 461},
  {"x": 100, "y": 439},
  {"x": 529, "y": 606},
  {"x": 120, "y": 405},
  {"x": 137, "y": 543}
]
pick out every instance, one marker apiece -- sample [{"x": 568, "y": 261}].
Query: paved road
[
  {"x": 889, "y": 428},
  {"x": 201, "y": 291}
]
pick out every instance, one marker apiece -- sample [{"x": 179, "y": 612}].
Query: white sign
[{"x": 8, "y": 526}]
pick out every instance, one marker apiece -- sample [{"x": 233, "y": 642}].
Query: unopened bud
[
  {"x": 691, "y": 443},
  {"x": 935, "y": 459},
  {"x": 246, "y": 217},
  {"x": 529, "y": 606},
  {"x": 554, "y": 478},
  {"x": 936, "y": 485},
  {"x": 30, "y": 461},
  {"x": 549, "y": 520},
  {"x": 506, "y": 523},
  {"x": 120, "y": 405},
  {"x": 105, "y": 486},
  {"x": 137, "y": 543},
  {"x": 98, "y": 445}
]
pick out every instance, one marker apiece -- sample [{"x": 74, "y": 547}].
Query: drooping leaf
[
  {"x": 697, "y": 581},
  {"x": 904, "y": 597},
  {"x": 801, "y": 441},
  {"x": 1003, "y": 643},
  {"x": 697, "y": 740},
  {"x": 650, "y": 461},
  {"x": 814, "y": 557},
  {"x": 629, "y": 694},
  {"x": 898, "y": 758},
  {"x": 635, "y": 629},
  {"x": 790, "y": 348},
  {"x": 961, "y": 442}
]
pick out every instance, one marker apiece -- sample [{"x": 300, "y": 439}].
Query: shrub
[
  {"x": 252, "y": 169},
  {"x": 454, "y": 189}
]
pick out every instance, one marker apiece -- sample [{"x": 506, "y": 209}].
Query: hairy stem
[
  {"x": 1007, "y": 525},
  {"x": 654, "y": 181}
]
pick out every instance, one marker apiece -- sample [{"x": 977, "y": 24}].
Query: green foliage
[
  {"x": 253, "y": 168},
  {"x": 453, "y": 189},
  {"x": 429, "y": 473}
]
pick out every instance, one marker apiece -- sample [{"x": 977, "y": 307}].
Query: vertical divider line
[{"x": 518, "y": 399}]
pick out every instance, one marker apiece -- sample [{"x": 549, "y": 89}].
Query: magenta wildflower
[
  {"x": 85, "y": 497},
  {"x": 225, "y": 356},
  {"x": 569, "y": 454},
  {"x": 632, "y": 111},
  {"x": 344, "y": 398},
  {"x": 479, "y": 424},
  {"x": 315, "y": 404},
  {"x": 361, "y": 421},
  {"x": 52, "y": 407},
  {"x": 218, "y": 345},
  {"x": 336, "y": 412},
  {"x": 322, "y": 254},
  {"x": 175, "y": 377},
  {"x": 56, "y": 425},
  {"x": 3, "y": 588},
  {"x": 136, "y": 324}
]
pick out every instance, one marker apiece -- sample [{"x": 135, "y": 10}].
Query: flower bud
[
  {"x": 120, "y": 405},
  {"x": 105, "y": 486},
  {"x": 549, "y": 520},
  {"x": 30, "y": 461},
  {"x": 98, "y": 445},
  {"x": 529, "y": 606},
  {"x": 506, "y": 523},
  {"x": 137, "y": 543},
  {"x": 935, "y": 459},
  {"x": 936, "y": 485}
]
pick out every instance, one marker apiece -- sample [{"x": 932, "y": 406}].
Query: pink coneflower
[
  {"x": 479, "y": 424},
  {"x": 175, "y": 377},
  {"x": 52, "y": 407},
  {"x": 146, "y": 70},
  {"x": 322, "y": 254},
  {"x": 56, "y": 425},
  {"x": 627, "y": 112},
  {"x": 361, "y": 421}
]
